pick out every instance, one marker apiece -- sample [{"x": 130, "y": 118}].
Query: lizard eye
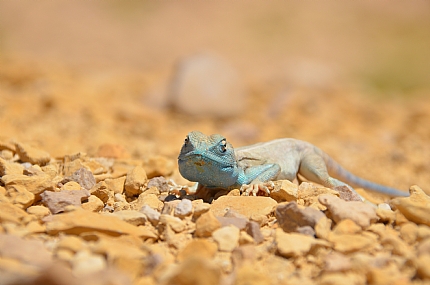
[
  {"x": 187, "y": 139},
  {"x": 222, "y": 146}
]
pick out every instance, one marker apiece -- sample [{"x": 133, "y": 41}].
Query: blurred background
[{"x": 351, "y": 77}]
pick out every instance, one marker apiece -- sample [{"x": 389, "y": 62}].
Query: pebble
[
  {"x": 183, "y": 209},
  {"x": 152, "y": 215},
  {"x": 227, "y": 238},
  {"x": 206, "y": 224},
  {"x": 135, "y": 182},
  {"x": 58, "y": 201},
  {"x": 84, "y": 178},
  {"x": 131, "y": 216},
  {"x": 244, "y": 205},
  {"x": 416, "y": 207},
  {"x": 284, "y": 191},
  {"x": 201, "y": 85},
  {"x": 291, "y": 217},
  {"x": 31, "y": 154}
]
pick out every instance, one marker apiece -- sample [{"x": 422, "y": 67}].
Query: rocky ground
[
  {"x": 85, "y": 185},
  {"x": 96, "y": 99}
]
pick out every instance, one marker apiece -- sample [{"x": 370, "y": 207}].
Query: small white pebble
[{"x": 384, "y": 206}]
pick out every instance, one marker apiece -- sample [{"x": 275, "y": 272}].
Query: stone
[
  {"x": 198, "y": 248},
  {"x": 244, "y": 205},
  {"x": 101, "y": 191},
  {"x": 200, "y": 209},
  {"x": 240, "y": 223},
  {"x": 183, "y": 209},
  {"x": 308, "y": 194},
  {"x": 206, "y": 224},
  {"x": 361, "y": 213},
  {"x": 81, "y": 221},
  {"x": 415, "y": 207},
  {"x": 19, "y": 195},
  {"x": 31, "y": 154},
  {"x": 71, "y": 243},
  {"x": 39, "y": 211},
  {"x": 246, "y": 239},
  {"x": 386, "y": 216},
  {"x": 423, "y": 232},
  {"x": 294, "y": 244},
  {"x": 194, "y": 270},
  {"x": 35, "y": 184},
  {"x": 284, "y": 191},
  {"x": 396, "y": 245},
  {"x": 71, "y": 185},
  {"x": 347, "y": 243},
  {"x": 135, "y": 182},
  {"x": 227, "y": 238},
  {"x": 12, "y": 213},
  {"x": 152, "y": 215},
  {"x": 84, "y": 177},
  {"x": 247, "y": 275},
  {"x": 158, "y": 166},
  {"x": 116, "y": 185},
  {"x": 85, "y": 263},
  {"x": 291, "y": 217},
  {"x": 335, "y": 261},
  {"x": 423, "y": 266},
  {"x": 7, "y": 167},
  {"x": 201, "y": 85},
  {"x": 150, "y": 200},
  {"x": 160, "y": 182},
  {"x": 131, "y": 216},
  {"x": 176, "y": 224},
  {"x": 57, "y": 201},
  {"x": 347, "y": 226},
  {"x": 253, "y": 229},
  {"x": 409, "y": 232},
  {"x": 94, "y": 204},
  {"x": 30, "y": 252}
]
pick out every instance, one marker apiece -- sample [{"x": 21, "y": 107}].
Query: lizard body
[{"x": 213, "y": 162}]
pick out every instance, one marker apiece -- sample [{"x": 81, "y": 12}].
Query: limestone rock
[
  {"x": 284, "y": 191},
  {"x": 38, "y": 211},
  {"x": 294, "y": 245},
  {"x": 227, "y": 238},
  {"x": 57, "y": 201},
  {"x": 240, "y": 223},
  {"x": 253, "y": 229},
  {"x": 198, "y": 248},
  {"x": 347, "y": 243},
  {"x": 415, "y": 208},
  {"x": 94, "y": 204},
  {"x": 71, "y": 185},
  {"x": 84, "y": 177},
  {"x": 196, "y": 271},
  {"x": 131, "y": 216},
  {"x": 101, "y": 191},
  {"x": 19, "y": 195},
  {"x": 183, "y": 209},
  {"x": 308, "y": 193},
  {"x": 81, "y": 221},
  {"x": 347, "y": 226},
  {"x": 362, "y": 214},
  {"x": 135, "y": 182},
  {"x": 152, "y": 215},
  {"x": 291, "y": 217},
  {"x": 116, "y": 185},
  {"x": 31, "y": 154},
  {"x": 423, "y": 264},
  {"x": 7, "y": 167},
  {"x": 150, "y": 200},
  {"x": 176, "y": 224},
  {"x": 203, "y": 83},
  {"x": 35, "y": 184},
  {"x": 160, "y": 182},
  {"x": 245, "y": 205},
  {"x": 206, "y": 224},
  {"x": 11, "y": 213},
  {"x": 85, "y": 263}
]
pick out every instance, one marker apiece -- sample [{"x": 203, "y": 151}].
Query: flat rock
[
  {"x": 294, "y": 244},
  {"x": 284, "y": 191},
  {"x": 84, "y": 177},
  {"x": 206, "y": 224},
  {"x": 94, "y": 204},
  {"x": 7, "y": 167},
  {"x": 31, "y": 154},
  {"x": 11, "y": 213},
  {"x": 58, "y": 201},
  {"x": 361, "y": 213},
  {"x": 245, "y": 205},
  {"x": 81, "y": 221},
  {"x": 291, "y": 216},
  {"x": 19, "y": 195},
  {"x": 416, "y": 207},
  {"x": 240, "y": 223},
  {"x": 203, "y": 83},
  {"x": 35, "y": 184},
  {"x": 38, "y": 211}
]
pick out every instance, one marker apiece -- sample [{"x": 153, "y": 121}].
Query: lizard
[{"x": 212, "y": 162}]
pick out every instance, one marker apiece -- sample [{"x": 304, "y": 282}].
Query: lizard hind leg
[{"x": 313, "y": 168}]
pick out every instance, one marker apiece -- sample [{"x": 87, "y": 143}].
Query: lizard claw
[{"x": 257, "y": 188}]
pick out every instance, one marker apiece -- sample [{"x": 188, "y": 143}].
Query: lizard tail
[{"x": 347, "y": 176}]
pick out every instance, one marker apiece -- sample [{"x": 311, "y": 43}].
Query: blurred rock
[
  {"x": 205, "y": 84},
  {"x": 12, "y": 213},
  {"x": 19, "y": 195},
  {"x": 198, "y": 248},
  {"x": 35, "y": 184},
  {"x": 131, "y": 216},
  {"x": 84, "y": 177},
  {"x": 227, "y": 238},
  {"x": 31, "y": 154},
  {"x": 94, "y": 204},
  {"x": 58, "y": 201},
  {"x": 7, "y": 167},
  {"x": 308, "y": 193},
  {"x": 291, "y": 217},
  {"x": 183, "y": 209},
  {"x": 206, "y": 224},
  {"x": 158, "y": 166},
  {"x": 415, "y": 208},
  {"x": 294, "y": 245},
  {"x": 135, "y": 182},
  {"x": 196, "y": 271},
  {"x": 240, "y": 223},
  {"x": 361, "y": 213},
  {"x": 285, "y": 191},
  {"x": 152, "y": 215},
  {"x": 38, "y": 211},
  {"x": 253, "y": 229}
]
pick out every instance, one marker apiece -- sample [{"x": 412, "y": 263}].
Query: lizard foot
[{"x": 258, "y": 188}]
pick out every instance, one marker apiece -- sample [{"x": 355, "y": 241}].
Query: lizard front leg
[{"x": 258, "y": 178}]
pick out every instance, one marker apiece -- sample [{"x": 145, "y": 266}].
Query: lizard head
[{"x": 209, "y": 160}]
